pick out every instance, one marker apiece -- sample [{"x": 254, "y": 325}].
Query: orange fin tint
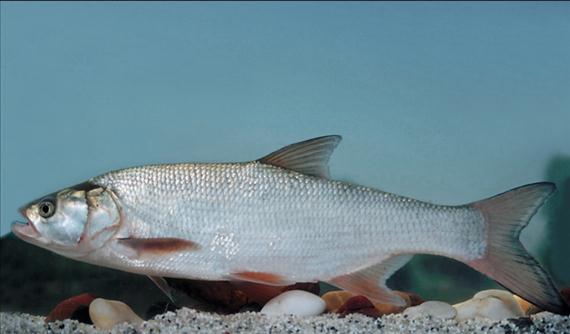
[
  {"x": 261, "y": 278},
  {"x": 157, "y": 246},
  {"x": 370, "y": 281}
]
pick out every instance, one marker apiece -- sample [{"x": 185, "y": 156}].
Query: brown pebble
[
  {"x": 358, "y": 304},
  {"x": 527, "y": 307},
  {"x": 72, "y": 308},
  {"x": 335, "y": 299}
]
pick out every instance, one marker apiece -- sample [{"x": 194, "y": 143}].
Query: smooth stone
[
  {"x": 505, "y": 296},
  {"x": 358, "y": 304},
  {"x": 72, "y": 308},
  {"x": 435, "y": 309},
  {"x": 295, "y": 302},
  {"x": 527, "y": 307},
  {"x": 105, "y": 314},
  {"x": 491, "y": 304},
  {"x": 335, "y": 299}
]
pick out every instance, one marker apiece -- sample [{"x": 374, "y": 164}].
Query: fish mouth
[{"x": 27, "y": 230}]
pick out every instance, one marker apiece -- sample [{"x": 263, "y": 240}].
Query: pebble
[
  {"x": 526, "y": 307},
  {"x": 187, "y": 320},
  {"x": 75, "y": 308},
  {"x": 335, "y": 299},
  {"x": 105, "y": 314},
  {"x": 295, "y": 302},
  {"x": 358, "y": 304},
  {"x": 435, "y": 309},
  {"x": 490, "y": 304}
]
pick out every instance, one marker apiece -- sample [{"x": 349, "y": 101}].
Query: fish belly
[{"x": 261, "y": 218}]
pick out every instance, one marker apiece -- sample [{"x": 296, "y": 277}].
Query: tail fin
[{"x": 506, "y": 260}]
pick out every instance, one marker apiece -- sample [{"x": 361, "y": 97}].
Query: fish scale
[
  {"x": 302, "y": 215},
  {"x": 280, "y": 220}
]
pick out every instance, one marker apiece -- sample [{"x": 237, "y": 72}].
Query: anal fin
[{"x": 371, "y": 281}]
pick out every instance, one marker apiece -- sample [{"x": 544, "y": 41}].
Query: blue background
[{"x": 444, "y": 102}]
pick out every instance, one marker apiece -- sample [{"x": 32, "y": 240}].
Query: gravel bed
[{"x": 188, "y": 320}]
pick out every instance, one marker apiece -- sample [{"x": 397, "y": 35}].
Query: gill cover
[{"x": 103, "y": 218}]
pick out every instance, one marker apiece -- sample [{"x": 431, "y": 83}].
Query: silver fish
[{"x": 280, "y": 220}]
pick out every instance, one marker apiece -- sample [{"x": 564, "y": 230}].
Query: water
[{"x": 443, "y": 102}]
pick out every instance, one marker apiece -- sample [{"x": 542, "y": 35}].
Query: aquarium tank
[{"x": 444, "y": 103}]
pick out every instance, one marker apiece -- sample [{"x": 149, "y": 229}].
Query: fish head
[{"x": 72, "y": 222}]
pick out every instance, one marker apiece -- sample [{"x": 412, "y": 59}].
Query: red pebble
[
  {"x": 358, "y": 304},
  {"x": 67, "y": 308}
]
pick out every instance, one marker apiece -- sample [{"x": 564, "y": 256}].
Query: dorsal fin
[{"x": 309, "y": 157}]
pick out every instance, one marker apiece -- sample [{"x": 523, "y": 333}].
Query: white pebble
[
  {"x": 295, "y": 302},
  {"x": 435, "y": 309},
  {"x": 105, "y": 314},
  {"x": 490, "y": 304}
]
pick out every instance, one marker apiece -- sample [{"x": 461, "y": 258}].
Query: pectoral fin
[
  {"x": 371, "y": 281},
  {"x": 142, "y": 247},
  {"x": 163, "y": 286}
]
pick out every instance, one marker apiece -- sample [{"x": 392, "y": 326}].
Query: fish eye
[{"x": 46, "y": 208}]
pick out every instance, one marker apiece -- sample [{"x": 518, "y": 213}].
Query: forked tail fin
[{"x": 506, "y": 260}]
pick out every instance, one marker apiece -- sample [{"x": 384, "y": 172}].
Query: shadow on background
[
  {"x": 34, "y": 280},
  {"x": 557, "y": 212},
  {"x": 439, "y": 278}
]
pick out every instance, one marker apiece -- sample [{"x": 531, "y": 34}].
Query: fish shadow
[
  {"x": 557, "y": 214},
  {"x": 34, "y": 280},
  {"x": 440, "y": 278}
]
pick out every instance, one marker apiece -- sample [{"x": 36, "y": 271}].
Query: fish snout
[{"x": 25, "y": 230}]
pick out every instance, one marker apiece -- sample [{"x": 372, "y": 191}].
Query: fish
[{"x": 279, "y": 220}]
